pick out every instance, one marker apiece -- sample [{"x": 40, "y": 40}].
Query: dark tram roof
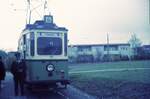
[{"x": 42, "y": 25}]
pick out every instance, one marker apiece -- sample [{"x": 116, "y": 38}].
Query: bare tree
[{"x": 134, "y": 41}]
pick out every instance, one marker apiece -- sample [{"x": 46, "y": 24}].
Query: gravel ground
[
  {"x": 113, "y": 80},
  {"x": 113, "y": 89}
]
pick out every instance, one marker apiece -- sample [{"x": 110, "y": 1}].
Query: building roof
[
  {"x": 146, "y": 46},
  {"x": 114, "y": 44}
]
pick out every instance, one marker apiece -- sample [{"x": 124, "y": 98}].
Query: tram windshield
[{"x": 49, "y": 46}]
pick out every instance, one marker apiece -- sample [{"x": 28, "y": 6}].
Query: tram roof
[{"x": 42, "y": 25}]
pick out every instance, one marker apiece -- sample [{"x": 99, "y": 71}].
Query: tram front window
[{"x": 49, "y": 46}]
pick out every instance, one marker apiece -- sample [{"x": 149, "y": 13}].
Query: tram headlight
[{"x": 50, "y": 68}]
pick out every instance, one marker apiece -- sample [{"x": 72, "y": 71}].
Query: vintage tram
[{"x": 43, "y": 46}]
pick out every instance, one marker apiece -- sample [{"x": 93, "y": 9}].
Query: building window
[
  {"x": 111, "y": 47},
  {"x": 84, "y": 48},
  {"x": 124, "y": 48}
]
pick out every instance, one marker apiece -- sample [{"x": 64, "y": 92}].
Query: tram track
[
  {"x": 46, "y": 94},
  {"x": 60, "y": 93},
  {"x": 69, "y": 93}
]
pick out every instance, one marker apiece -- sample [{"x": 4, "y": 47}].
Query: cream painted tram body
[{"x": 43, "y": 45}]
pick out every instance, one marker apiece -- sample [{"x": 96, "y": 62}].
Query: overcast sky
[{"x": 88, "y": 21}]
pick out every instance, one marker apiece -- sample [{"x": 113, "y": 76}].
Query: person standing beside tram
[
  {"x": 2, "y": 71},
  {"x": 19, "y": 72}
]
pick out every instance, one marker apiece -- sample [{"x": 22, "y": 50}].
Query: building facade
[{"x": 99, "y": 52}]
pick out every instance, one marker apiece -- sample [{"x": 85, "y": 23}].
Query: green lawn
[
  {"x": 126, "y": 84},
  {"x": 123, "y": 64}
]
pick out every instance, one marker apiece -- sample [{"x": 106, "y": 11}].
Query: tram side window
[
  {"x": 24, "y": 39},
  {"x": 27, "y": 44},
  {"x": 65, "y": 43},
  {"x": 32, "y": 44}
]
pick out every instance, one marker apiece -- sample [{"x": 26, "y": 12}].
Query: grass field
[
  {"x": 124, "y": 84},
  {"x": 123, "y": 64}
]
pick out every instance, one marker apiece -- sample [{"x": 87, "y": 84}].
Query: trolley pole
[{"x": 29, "y": 12}]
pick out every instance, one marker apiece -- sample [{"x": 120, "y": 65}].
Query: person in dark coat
[
  {"x": 19, "y": 72},
  {"x": 2, "y": 71}
]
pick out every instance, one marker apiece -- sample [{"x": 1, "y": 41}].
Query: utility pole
[
  {"x": 108, "y": 57},
  {"x": 149, "y": 10}
]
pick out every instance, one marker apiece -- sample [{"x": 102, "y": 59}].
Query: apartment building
[{"x": 99, "y": 52}]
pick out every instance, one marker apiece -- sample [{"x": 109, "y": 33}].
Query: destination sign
[{"x": 50, "y": 34}]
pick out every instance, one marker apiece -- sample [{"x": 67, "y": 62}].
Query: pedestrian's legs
[
  {"x": 16, "y": 86},
  {"x": 0, "y": 84},
  {"x": 21, "y": 84}
]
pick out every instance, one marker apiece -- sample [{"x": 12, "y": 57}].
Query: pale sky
[{"x": 88, "y": 21}]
